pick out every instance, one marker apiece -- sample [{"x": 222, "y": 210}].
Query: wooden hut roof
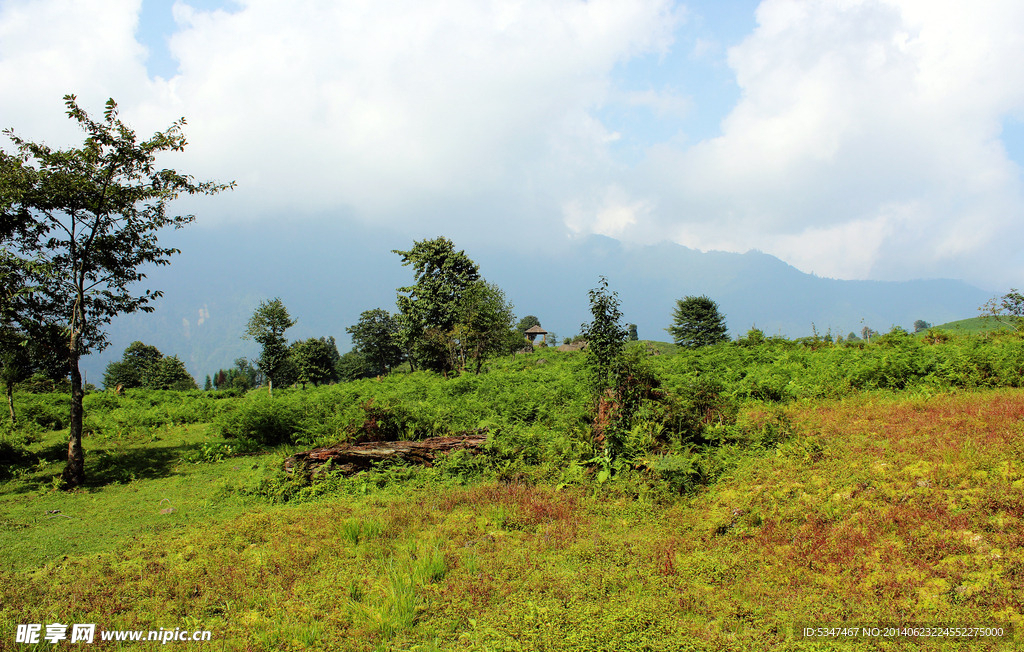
[{"x": 536, "y": 330}]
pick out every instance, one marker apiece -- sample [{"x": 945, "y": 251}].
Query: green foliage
[
  {"x": 605, "y": 335},
  {"x": 1007, "y": 309},
  {"x": 211, "y": 452},
  {"x": 353, "y": 366},
  {"x": 376, "y": 340},
  {"x": 983, "y": 325},
  {"x": 45, "y": 411},
  {"x": 15, "y": 364},
  {"x": 93, "y": 213},
  {"x": 241, "y": 378},
  {"x": 483, "y": 327},
  {"x": 262, "y": 420},
  {"x": 544, "y": 540},
  {"x": 267, "y": 326},
  {"x": 525, "y": 324},
  {"x": 697, "y": 322},
  {"x": 140, "y": 358},
  {"x": 429, "y": 308},
  {"x": 143, "y": 366},
  {"x": 170, "y": 373},
  {"x": 315, "y": 360}
]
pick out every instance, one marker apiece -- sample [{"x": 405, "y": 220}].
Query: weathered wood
[{"x": 352, "y": 458}]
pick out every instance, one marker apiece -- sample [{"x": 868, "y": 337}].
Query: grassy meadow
[{"x": 773, "y": 484}]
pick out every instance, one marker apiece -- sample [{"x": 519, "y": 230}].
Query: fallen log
[{"x": 352, "y": 458}]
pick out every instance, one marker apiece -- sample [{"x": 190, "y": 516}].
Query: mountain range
[{"x": 328, "y": 272}]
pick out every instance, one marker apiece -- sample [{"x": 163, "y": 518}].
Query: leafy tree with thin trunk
[
  {"x": 605, "y": 336},
  {"x": 15, "y": 364},
  {"x": 315, "y": 361},
  {"x": 78, "y": 226},
  {"x": 697, "y": 321},
  {"x": 1007, "y": 309},
  {"x": 376, "y": 338},
  {"x": 484, "y": 326},
  {"x": 267, "y": 326},
  {"x": 432, "y": 303}
]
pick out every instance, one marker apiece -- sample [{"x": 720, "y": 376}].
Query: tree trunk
[
  {"x": 352, "y": 458},
  {"x": 10, "y": 403},
  {"x": 270, "y": 387},
  {"x": 74, "y": 472}
]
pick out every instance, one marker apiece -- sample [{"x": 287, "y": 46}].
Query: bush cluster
[{"x": 674, "y": 419}]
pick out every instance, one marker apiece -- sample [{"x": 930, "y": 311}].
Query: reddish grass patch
[{"x": 529, "y": 506}]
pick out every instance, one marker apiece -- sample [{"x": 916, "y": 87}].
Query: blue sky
[{"x": 861, "y": 139}]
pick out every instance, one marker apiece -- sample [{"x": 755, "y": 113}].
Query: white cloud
[
  {"x": 865, "y": 143},
  {"x": 612, "y": 215},
  {"x": 396, "y": 112},
  {"x": 49, "y": 49},
  {"x": 389, "y": 108}
]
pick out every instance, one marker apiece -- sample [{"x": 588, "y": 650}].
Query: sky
[{"x": 855, "y": 139}]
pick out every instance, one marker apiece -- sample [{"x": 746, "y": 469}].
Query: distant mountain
[{"x": 326, "y": 273}]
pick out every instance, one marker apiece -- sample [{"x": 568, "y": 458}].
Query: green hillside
[
  {"x": 761, "y": 489},
  {"x": 976, "y": 325}
]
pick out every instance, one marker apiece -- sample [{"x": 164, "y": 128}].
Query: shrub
[
  {"x": 263, "y": 420},
  {"x": 48, "y": 411}
]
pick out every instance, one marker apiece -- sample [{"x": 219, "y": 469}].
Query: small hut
[{"x": 534, "y": 331}]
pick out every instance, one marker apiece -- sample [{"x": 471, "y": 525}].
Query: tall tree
[
  {"x": 79, "y": 225},
  {"x": 135, "y": 367},
  {"x": 697, "y": 322},
  {"x": 376, "y": 339},
  {"x": 267, "y": 326},
  {"x": 315, "y": 361},
  {"x": 429, "y": 308},
  {"x": 170, "y": 373},
  {"x": 484, "y": 326}
]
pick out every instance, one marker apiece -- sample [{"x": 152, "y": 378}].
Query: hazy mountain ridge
[{"x": 327, "y": 273}]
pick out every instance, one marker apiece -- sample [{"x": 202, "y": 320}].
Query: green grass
[
  {"x": 975, "y": 325},
  {"x": 138, "y": 484},
  {"x": 822, "y": 503},
  {"x": 878, "y": 510}
]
